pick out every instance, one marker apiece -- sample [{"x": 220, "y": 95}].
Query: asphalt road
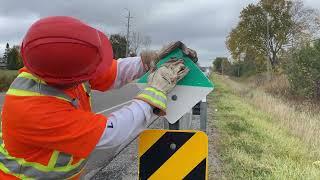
[{"x": 105, "y": 100}]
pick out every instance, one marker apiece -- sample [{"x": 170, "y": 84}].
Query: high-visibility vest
[{"x": 60, "y": 164}]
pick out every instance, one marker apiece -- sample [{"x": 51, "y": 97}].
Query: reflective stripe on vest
[
  {"x": 87, "y": 88},
  {"x": 60, "y": 164},
  {"x": 28, "y": 85}
]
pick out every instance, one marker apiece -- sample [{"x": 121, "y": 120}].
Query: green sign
[{"x": 195, "y": 76}]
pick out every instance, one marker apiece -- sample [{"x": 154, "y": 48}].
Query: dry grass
[
  {"x": 301, "y": 121},
  {"x": 279, "y": 85},
  {"x": 256, "y": 140}
]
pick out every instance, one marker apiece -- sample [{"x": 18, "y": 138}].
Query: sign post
[{"x": 171, "y": 154}]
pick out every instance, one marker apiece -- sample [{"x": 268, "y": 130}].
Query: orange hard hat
[{"x": 63, "y": 50}]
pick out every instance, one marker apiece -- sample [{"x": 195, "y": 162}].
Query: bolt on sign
[
  {"x": 173, "y": 154},
  {"x": 189, "y": 91}
]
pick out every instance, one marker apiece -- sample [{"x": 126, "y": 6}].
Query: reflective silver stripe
[
  {"x": 33, "y": 86},
  {"x": 32, "y": 172},
  {"x": 26, "y": 84},
  {"x": 154, "y": 95},
  {"x": 63, "y": 159},
  {"x": 87, "y": 87}
]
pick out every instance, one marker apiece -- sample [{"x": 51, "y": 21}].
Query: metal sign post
[
  {"x": 203, "y": 115},
  {"x": 175, "y": 126}
]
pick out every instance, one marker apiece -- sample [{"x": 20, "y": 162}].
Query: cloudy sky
[{"x": 201, "y": 24}]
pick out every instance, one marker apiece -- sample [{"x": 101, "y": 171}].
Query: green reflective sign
[{"x": 195, "y": 76}]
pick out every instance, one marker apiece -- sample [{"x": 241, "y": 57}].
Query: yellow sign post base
[{"x": 173, "y": 154}]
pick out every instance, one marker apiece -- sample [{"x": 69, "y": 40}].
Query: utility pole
[{"x": 128, "y": 30}]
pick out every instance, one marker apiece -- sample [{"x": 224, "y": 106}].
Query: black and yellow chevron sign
[{"x": 171, "y": 154}]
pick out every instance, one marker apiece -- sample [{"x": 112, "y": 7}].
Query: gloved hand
[
  {"x": 161, "y": 82},
  {"x": 151, "y": 58},
  {"x": 189, "y": 52}
]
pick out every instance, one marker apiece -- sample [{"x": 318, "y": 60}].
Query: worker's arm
[
  {"x": 121, "y": 72},
  {"x": 129, "y": 121},
  {"x": 128, "y": 69},
  {"x": 125, "y": 124}
]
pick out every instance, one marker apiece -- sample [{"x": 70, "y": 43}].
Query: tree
[
  {"x": 138, "y": 41},
  {"x": 6, "y": 53},
  {"x": 14, "y": 60},
  {"x": 135, "y": 42},
  {"x": 306, "y": 23},
  {"x": 221, "y": 65},
  {"x": 304, "y": 71},
  {"x": 265, "y": 29},
  {"x": 146, "y": 42},
  {"x": 118, "y": 43}
]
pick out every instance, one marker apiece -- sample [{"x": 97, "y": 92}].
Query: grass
[
  {"x": 6, "y": 78},
  {"x": 254, "y": 143},
  {"x": 303, "y": 120}
]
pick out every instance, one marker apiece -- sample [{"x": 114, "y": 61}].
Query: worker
[{"x": 48, "y": 127}]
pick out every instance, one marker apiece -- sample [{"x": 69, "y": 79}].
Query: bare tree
[
  {"x": 306, "y": 23},
  {"x": 146, "y": 42},
  {"x": 139, "y": 41},
  {"x": 136, "y": 42}
]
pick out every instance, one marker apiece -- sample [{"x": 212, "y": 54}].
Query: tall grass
[
  {"x": 301, "y": 122},
  {"x": 253, "y": 142}
]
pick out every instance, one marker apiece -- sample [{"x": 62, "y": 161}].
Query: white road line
[{"x": 100, "y": 112}]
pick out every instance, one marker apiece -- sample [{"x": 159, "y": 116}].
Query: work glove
[
  {"x": 161, "y": 82},
  {"x": 192, "y": 54},
  {"x": 151, "y": 58}
]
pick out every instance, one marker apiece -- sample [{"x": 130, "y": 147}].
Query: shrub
[
  {"x": 304, "y": 72},
  {"x": 6, "y": 78}
]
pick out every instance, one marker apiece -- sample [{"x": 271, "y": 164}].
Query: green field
[{"x": 253, "y": 145}]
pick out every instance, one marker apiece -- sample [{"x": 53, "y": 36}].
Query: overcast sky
[{"x": 201, "y": 24}]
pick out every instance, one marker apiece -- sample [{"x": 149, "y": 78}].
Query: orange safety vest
[{"x": 47, "y": 133}]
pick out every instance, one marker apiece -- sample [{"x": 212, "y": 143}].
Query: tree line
[
  {"x": 12, "y": 57},
  {"x": 276, "y": 36}
]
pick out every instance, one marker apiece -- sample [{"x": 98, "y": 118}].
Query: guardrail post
[
  {"x": 183, "y": 123},
  {"x": 175, "y": 126},
  {"x": 203, "y": 115}
]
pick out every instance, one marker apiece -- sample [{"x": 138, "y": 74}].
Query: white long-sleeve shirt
[{"x": 130, "y": 120}]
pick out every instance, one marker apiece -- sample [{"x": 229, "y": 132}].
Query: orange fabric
[
  {"x": 5, "y": 176},
  {"x": 34, "y": 126},
  {"x": 105, "y": 80}
]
